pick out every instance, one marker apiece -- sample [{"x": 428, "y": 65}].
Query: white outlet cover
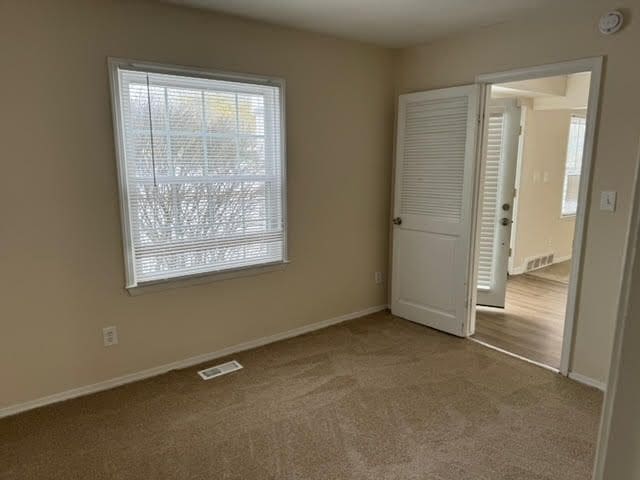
[{"x": 109, "y": 336}]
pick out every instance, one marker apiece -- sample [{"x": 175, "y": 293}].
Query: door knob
[
  {"x": 505, "y": 221},
  {"x": 397, "y": 221}
]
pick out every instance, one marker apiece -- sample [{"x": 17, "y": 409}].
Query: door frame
[
  {"x": 516, "y": 201},
  {"x": 593, "y": 65}
]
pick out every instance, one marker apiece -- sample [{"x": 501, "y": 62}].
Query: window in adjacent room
[
  {"x": 201, "y": 169},
  {"x": 573, "y": 166}
]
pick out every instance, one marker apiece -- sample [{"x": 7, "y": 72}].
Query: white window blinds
[
  {"x": 201, "y": 174},
  {"x": 573, "y": 166},
  {"x": 494, "y": 163}
]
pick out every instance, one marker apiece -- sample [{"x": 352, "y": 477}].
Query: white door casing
[
  {"x": 433, "y": 205},
  {"x": 499, "y": 157}
]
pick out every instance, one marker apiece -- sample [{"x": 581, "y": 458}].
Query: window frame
[
  {"x": 565, "y": 176},
  {"x": 133, "y": 286}
]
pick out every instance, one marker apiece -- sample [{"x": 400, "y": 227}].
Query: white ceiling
[{"x": 392, "y": 23}]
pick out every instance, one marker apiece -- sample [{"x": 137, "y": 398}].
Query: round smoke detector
[{"x": 610, "y": 22}]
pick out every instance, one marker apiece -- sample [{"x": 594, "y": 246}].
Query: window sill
[
  {"x": 199, "y": 279},
  {"x": 568, "y": 216}
]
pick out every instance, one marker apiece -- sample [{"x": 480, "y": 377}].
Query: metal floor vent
[
  {"x": 534, "y": 263},
  {"x": 222, "y": 369}
]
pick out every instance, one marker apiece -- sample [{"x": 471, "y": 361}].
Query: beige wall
[
  {"x": 622, "y": 454},
  {"x": 618, "y": 455},
  {"x": 61, "y": 254},
  {"x": 457, "y": 60},
  {"x": 540, "y": 228}
]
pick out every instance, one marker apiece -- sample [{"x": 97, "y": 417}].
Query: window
[
  {"x": 573, "y": 166},
  {"x": 201, "y": 170}
]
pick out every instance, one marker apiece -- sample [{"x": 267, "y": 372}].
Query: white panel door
[
  {"x": 500, "y": 152},
  {"x": 434, "y": 179}
]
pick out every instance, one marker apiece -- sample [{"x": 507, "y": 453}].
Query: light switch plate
[{"x": 608, "y": 201}]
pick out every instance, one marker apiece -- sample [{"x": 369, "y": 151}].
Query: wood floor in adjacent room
[
  {"x": 532, "y": 323},
  {"x": 373, "y": 398}
]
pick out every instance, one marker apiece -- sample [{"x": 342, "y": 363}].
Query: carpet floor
[{"x": 373, "y": 398}]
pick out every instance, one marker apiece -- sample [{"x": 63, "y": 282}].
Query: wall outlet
[
  {"x": 378, "y": 277},
  {"x": 110, "y": 336},
  {"x": 536, "y": 177}
]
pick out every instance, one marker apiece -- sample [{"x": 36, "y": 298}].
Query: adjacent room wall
[
  {"x": 540, "y": 227},
  {"x": 548, "y": 39},
  {"x": 62, "y": 262}
]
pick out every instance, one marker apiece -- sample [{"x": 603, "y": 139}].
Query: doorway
[
  {"x": 442, "y": 142},
  {"x": 532, "y": 187}
]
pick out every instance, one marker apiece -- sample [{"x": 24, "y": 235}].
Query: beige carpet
[{"x": 374, "y": 398}]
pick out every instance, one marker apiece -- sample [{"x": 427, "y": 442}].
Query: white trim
[
  {"x": 561, "y": 259},
  {"x": 114, "y": 64},
  {"x": 547, "y": 70},
  {"x": 520, "y": 269},
  {"x": 515, "y": 355},
  {"x": 580, "y": 229},
  {"x": 631, "y": 251},
  {"x": 594, "y": 66},
  {"x": 474, "y": 245},
  {"x": 191, "y": 71},
  {"x": 588, "y": 381},
  {"x": 524, "y": 111},
  {"x": 180, "y": 364},
  {"x": 208, "y": 277}
]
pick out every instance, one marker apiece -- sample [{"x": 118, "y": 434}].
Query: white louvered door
[
  {"x": 434, "y": 177},
  {"x": 502, "y": 129}
]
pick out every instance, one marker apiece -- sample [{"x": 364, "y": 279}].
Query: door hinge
[
  {"x": 510, "y": 251},
  {"x": 520, "y": 130},
  {"x": 515, "y": 192}
]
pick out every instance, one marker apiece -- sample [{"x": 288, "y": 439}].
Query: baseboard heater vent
[
  {"x": 534, "y": 263},
  {"x": 222, "y": 369}
]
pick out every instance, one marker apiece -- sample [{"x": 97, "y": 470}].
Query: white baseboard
[
  {"x": 588, "y": 381},
  {"x": 562, "y": 259},
  {"x": 188, "y": 362},
  {"x": 520, "y": 269}
]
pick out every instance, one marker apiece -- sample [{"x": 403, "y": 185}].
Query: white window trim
[
  {"x": 570, "y": 216},
  {"x": 141, "y": 287}
]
